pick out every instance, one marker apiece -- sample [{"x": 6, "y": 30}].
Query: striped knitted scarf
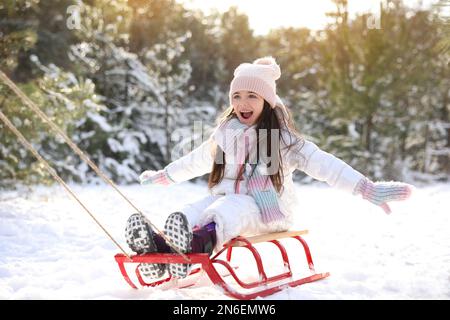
[{"x": 235, "y": 139}]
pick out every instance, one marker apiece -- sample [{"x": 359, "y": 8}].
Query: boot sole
[
  {"x": 139, "y": 237},
  {"x": 178, "y": 231}
]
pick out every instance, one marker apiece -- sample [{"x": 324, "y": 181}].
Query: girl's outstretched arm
[
  {"x": 196, "y": 163},
  {"x": 326, "y": 167}
]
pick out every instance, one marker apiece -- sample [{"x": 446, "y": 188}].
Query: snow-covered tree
[
  {"x": 66, "y": 100},
  {"x": 146, "y": 94}
]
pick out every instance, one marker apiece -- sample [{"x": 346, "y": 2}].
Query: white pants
[{"x": 234, "y": 215}]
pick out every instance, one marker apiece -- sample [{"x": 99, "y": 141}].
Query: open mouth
[{"x": 246, "y": 114}]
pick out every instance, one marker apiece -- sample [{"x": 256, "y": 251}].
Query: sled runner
[{"x": 264, "y": 286}]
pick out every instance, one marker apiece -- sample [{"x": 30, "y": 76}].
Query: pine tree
[{"x": 59, "y": 94}]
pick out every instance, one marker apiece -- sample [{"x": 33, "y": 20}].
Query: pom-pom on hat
[{"x": 259, "y": 77}]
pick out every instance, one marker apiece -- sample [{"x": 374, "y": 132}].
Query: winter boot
[
  {"x": 140, "y": 238},
  {"x": 178, "y": 231},
  {"x": 200, "y": 240}
]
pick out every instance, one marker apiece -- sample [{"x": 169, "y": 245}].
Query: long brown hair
[{"x": 268, "y": 119}]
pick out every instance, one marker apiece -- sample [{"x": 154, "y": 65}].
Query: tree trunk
[
  {"x": 446, "y": 118},
  {"x": 368, "y": 133},
  {"x": 167, "y": 130},
  {"x": 425, "y": 146}
]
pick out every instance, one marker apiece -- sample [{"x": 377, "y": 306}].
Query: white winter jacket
[{"x": 304, "y": 156}]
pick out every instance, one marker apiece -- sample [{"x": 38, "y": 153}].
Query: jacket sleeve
[
  {"x": 196, "y": 163},
  {"x": 323, "y": 166}
]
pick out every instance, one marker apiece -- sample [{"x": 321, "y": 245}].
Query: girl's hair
[{"x": 268, "y": 119}]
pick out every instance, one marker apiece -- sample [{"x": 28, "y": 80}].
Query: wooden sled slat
[{"x": 268, "y": 237}]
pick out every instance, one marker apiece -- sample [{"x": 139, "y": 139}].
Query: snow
[{"x": 51, "y": 249}]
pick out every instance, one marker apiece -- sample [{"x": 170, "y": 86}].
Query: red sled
[{"x": 263, "y": 286}]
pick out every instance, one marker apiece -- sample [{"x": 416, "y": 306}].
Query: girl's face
[{"x": 247, "y": 106}]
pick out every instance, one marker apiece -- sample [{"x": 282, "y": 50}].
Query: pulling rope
[
  {"x": 78, "y": 151},
  {"x": 52, "y": 171}
]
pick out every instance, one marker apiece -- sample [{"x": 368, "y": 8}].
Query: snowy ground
[{"x": 51, "y": 249}]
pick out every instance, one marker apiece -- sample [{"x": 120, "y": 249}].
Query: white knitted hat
[{"x": 259, "y": 77}]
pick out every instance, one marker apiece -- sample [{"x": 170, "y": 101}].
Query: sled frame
[{"x": 263, "y": 287}]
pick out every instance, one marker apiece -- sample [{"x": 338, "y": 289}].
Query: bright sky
[{"x": 265, "y": 15}]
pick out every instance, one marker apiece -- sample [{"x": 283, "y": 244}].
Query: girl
[{"x": 250, "y": 157}]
